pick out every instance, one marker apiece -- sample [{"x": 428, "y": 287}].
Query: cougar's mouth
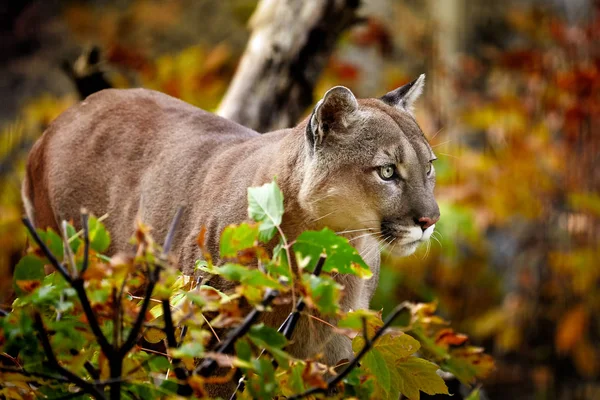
[{"x": 404, "y": 240}]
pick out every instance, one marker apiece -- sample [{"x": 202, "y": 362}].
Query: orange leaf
[
  {"x": 571, "y": 328},
  {"x": 447, "y": 337}
]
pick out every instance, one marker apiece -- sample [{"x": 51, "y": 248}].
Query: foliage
[{"x": 132, "y": 325}]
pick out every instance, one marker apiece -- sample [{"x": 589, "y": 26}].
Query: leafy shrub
[{"x": 134, "y": 326}]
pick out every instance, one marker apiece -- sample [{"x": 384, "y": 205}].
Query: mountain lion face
[{"x": 370, "y": 169}]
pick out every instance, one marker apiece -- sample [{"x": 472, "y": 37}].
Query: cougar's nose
[{"x": 426, "y": 222}]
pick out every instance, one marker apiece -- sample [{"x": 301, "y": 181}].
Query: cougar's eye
[
  {"x": 387, "y": 172},
  {"x": 429, "y": 168}
]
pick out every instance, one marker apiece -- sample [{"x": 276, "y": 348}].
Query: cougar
[{"x": 363, "y": 168}]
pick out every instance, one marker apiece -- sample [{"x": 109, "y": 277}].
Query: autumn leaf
[
  {"x": 571, "y": 328},
  {"x": 397, "y": 371}
]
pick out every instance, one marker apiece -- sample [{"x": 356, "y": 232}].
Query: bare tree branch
[
  {"x": 44, "y": 339},
  {"x": 290, "y": 44}
]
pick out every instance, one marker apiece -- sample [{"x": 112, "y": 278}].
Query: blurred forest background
[{"x": 512, "y": 108}]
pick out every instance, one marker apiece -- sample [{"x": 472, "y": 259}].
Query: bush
[{"x": 135, "y": 326}]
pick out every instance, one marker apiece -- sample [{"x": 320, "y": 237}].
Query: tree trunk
[{"x": 290, "y": 44}]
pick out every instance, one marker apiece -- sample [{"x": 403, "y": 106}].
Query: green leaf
[
  {"x": 243, "y": 350},
  {"x": 474, "y": 395},
  {"x": 268, "y": 338},
  {"x": 52, "y": 241},
  {"x": 265, "y": 205},
  {"x": 341, "y": 256},
  {"x": 263, "y": 336},
  {"x": 408, "y": 375},
  {"x": 354, "y": 320},
  {"x": 189, "y": 349},
  {"x": 263, "y": 385},
  {"x": 99, "y": 236},
  {"x": 296, "y": 382},
  {"x": 30, "y": 268},
  {"x": 245, "y": 275},
  {"x": 356, "y": 385},
  {"x": 417, "y": 375},
  {"x": 323, "y": 292},
  {"x": 159, "y": 364},
  {"x": 73, "y": 242},
  {"x": 375, "y": 363},
  {"x": 238, "y": 237}
]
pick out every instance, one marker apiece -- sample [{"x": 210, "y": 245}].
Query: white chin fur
[{"x": 410, "y": 242}]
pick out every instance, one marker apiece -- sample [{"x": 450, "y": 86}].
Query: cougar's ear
[
  {"x": 405, "y": 96},
  {"x": 332, "y": 112}
]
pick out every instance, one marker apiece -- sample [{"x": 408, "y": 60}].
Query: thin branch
[
  {"x": 293, "y": 318},
  {"x": 55, "y": 263},
  {"x": 44, "y": 339},
  {"x": 287, "y": 327},
  {"x": 68, "y": 251},
  {"x": 153, "y": 279},
  {"x": 369, "y": 343},
  {"x": 137, "y": 326},
  {"x": 34, "y": 374},
  {"x": 86, "y": 240},
  {"x": 169, "y": 327},
  {"x": 77, "y": 284},
  {"x": 171, "y": 233},
  {"x": 286, "y": 246},
  {"x": 105, "y": 346},
  {"x": 180, "y": 372},
  {"x": 209, "y": 365}
]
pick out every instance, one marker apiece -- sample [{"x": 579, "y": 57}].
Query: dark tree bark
[{"x": 290, "y": 44}]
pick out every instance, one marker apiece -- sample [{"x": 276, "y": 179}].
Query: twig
[
  {"x": 209, "y": 365},
  {"x": 33, "y": 374},
  {"x": 369, "y": 343},
  {"x": 68, "y": 252},
  {"x": 55, "y": 263},
  {"x": 180, "y": 372},
  {"x": 43, "y": 336},
  {"x": 286, "y": 246},
  {"x": 288, "y": 326},
  {"x": 293, "y": 318},
  {"x": 86, "y": 240},
  {"x": 77, "y": 284},
  {"x": 139, "y": 321},
  {"x": 171, "y": 233},
  {"x": 105, "y": 346}
]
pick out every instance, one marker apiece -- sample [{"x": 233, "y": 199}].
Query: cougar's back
[{"x": 103, "y": 153}]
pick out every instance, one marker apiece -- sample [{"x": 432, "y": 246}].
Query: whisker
[
  {"x": 324, "y": 216},
  {"x": 354, "y": 230},
  {"x": 321, "y": 198},
  {"x": 395, "y": 242},
  {"x": 441, "y": 144},
  {"x": 368, "y": 250},
  {"x": 435, "y": 134},
  {"x": 427, "y": 250},
  {"x": 362, "y": 236},
  {"x": 437, "y": 240},
  {"x": 447, "y": 155}
]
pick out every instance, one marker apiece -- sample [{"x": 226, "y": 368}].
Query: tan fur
[{"x": 120, "y": 148}]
